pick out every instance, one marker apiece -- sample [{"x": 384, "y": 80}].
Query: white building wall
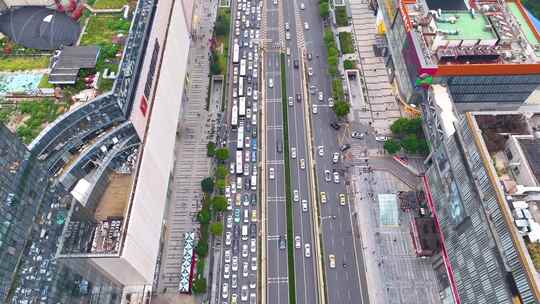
[
  {"x": 145, "y": 220},
  {"x": 10, "y": 3}
]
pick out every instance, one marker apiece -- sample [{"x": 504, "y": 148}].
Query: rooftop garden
[
  {"x": 23, "y": 63},
  {"x": 346, "y": 42},
  {"x": 108, "y": 4}
]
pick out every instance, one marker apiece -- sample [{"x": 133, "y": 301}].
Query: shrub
[
  {"x": 346, "y": 42},
  {"x": 210, "y": 149},
  {"x": 216, "y": 228},
  {"x": 341, "y": 108},
  {"x": 202, "y": 248},
  {"x": 221, "y": 172},
  {"x": 349, "y": 64},
  {"x": 222, "y": 154},
  {"x": 324, "y": 10},
  {"x": 199, "y": 285},
  {"x": 219, "y": 203},
  {"x": 391, "y": 146},
  {"x": 220, "y": 184},
  {"x": 204, "y": 216},
  {"x": 207, "y": 185},
  {"x": 341, "y": 16}
]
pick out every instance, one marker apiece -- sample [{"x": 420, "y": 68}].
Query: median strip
[{"x": 290, "y": 248}]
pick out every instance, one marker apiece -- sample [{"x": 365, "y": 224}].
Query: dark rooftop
[
  {"x": 531, "y": 149},
  {"x": 446, "y": 4},
  {"x": 70, "y": 60}
]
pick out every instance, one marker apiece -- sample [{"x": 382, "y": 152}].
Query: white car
[
  {"x": 310, "y": 71},
  {"x": 231, "y": 169},
  {"x": 342, "y": 199},
  {"x": 290, "y": 101},
  {"x": 381, "y": 138},
  {"x": 244, "y": 293},
  {"x": 252, "y": 285},
  {"x": 321, "y": 150},
  {"x": 227, "y": 256},
  {"x": 228, "y": 237},
  {"x": 245, "y": 269},
  {"x": 234, "y": 284},
  {"x": 233, "y": 187},
  {"x": 252, "y": 245},
  {"x": 296, "y": 196},
  {"x": 249, "y": 90},
  {"x": 323, "y": 197},
  {"x": 228, "y": 190},
  {"x": 307, "y": 250},
  {"x": 255, "y": 95},
  {"x": 321, "y": 96},
  {"x": 225, "y": 290},
  {"x": 234, "y": 264},
  {"x": 297, "y": 242},
  {"x": 288, "y": 35},
  {"x": 314, "y": 109},
  {"x": 287, "y": 26},
  {"x": 304, "y": 206},
  {"x": 293, "y": 152},
  {"x": 275, "y": 2},
  {"x": 270, "y": 83},
  {"x": 302, "y": 6},
  {"x": 271, "y": 173},
  {"x": 302, "y": 164},
  {"x": 330, "y": 102},
  {"x": 245, "y": 250},
  {"x": 253, "y": 264},
  {"x": 335, "y": 157},
  {"x": 336, "y": 177},
  {"x": 332, "y": 259},
  {"x": 327, "y": 176},
  {"x": 306, "y": 25},
  {"x": 229, "y": 220},
  {"x": 226, "y": 271}
]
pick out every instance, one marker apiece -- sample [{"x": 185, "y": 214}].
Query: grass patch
[
  {"x": 44, "y": 83},
  {"x": 220, "y": 49},
  {"x": 18, "y": 63},
  {"x": 346, "y": 42},
  {"x": 38, "y": 113},
  {"x": 102, "y": 28},
  {"x": 290, "y": 245},
  {"x": 341, "y": 16},
  {"x": 109, "y": 4}
]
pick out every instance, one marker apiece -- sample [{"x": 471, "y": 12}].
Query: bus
[
  {"x": 240, "y": 141},
  {"x": 236, "y": 53},
  {"x": 234, "y": 117},
  {"x": 243, "y": 67},
  {"x": 242, "y": 106},
  {"x": 239, "y": 159},
  {"x": 240, "y": 86}
]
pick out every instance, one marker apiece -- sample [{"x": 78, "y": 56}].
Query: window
[{"x": 151, "y": 70}]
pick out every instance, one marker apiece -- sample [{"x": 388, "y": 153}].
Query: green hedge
[
  {"x": 341, "y": 16},
  {"x": 346, "y": 43}
]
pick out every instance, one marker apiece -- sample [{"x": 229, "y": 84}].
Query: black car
[
  {"x": 253, "y": 199},
  {"x": 345, "y": 147},
  {"x": 282, "y": 243},
  {"x": 254, "y": 133},
  {"x": 246, "y": 183},
  {"x": 309, "y": 56},
  {"x": 335, "y": 125},
  {"x": 279, "y": 147},
  {"x": 253, "y": 230},
  {"x": 236, "y": 232},
  {"x": 235, "y": 246},
  {"x": 295, "y": 63},
  {"x": 298, "y": 97},
  {"x": 249, "y": 79}
]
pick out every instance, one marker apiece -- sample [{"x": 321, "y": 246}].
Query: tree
[
  {"x": 220, "y": 184},
  {"x": 324, "y": 10},
  {"x": 207, "y": 185},
  {"x": 391, "y": 146},
  {"x": 341, "y": 108},
  {"x": 413, "y": 126},
  {"x": 349, "y": 64},
  {"x": 410, "y": 143},
  {"x": 222, "y": 154},
  {"x": 328, "y": 38},
  {"x": 223, "y": 20},
  {"x": 221, "y": 172},
  {"x": 201, "y": 249},
  {"x": 216, "y": 228},
  {"x": 203, "y": 216},
  {"x": 199, "y": 285},
  {"x": 332, "y": 52},
  {"x": 210, "y": 149},
  {"x": 219, "y": 203},
  {"x": 215, "y": 69},
  {"x": 399, "y": 126},
  {"x": 422, "y": 147}
]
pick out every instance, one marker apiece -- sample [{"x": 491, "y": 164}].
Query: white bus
[
  {"x": 242, "y": 106},
  {"x": 236, "y": 53},
  {"x": 240, "y": 87},
  {"x": 239, "y": 159},
  {"x": 240, "y": 141},
  {"x": 243, "y": 67},
  {"x": 234, "y": 116}
]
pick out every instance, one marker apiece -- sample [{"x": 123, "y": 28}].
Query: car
[
  {"x": 335, "y": 157},
  {"x": 288, "y": 52},
  {"x": 302, "y": 164},
  {"x": 330, "y": 102},
  {"x": 238, "y": 200},
  {"x": 297, "y": 242},
  {"x": 245, "y": 250},
  {"x": 295, "y": 63},
  {"x": 307, "y": 250},
  {"x": 246, "y": 169},
  {"x": 253, "y": 215},
  {"x": 271, "y": 173},
  {"x": 255, "y": 95},
  {"x": 306, "y": 25},
  {"x": 293, "y": 152},
  {"x": 252, "y": 298},
  {"x": 253, "y": 245},
  {"x": 234, "y": 264},
  {"x": 332, "y": 261},
  {"x": 254, "y": 120},
  {"x": 336, "y": 177},
  {"x": 335, "y": 125},
  {"x": 357, "y": 135},
  {"x": 287, "y": 27},
  {"x": 244, "y": 293},
  {"x": 237, "y": 32},
  {"x": 253, "y": 264},
  {"x": 246, "y": 216},
  {"x": 229, "y": 204},
  {"x": 246, "y": 33},
  {"x": 249, "y": 91},
  {"x": 327, "y": 176},
  {"x": 245, "y": 269},
  {"x": 236, "y": 232},
  {"x": 231, "y": 170},
  {"x": 239, "y": 183},
  {"x": 235, "y": 246},
  {"x": 304, "y": 205},
  {"x": 323, "y": 197},
  {"x": 229, "y": 221},
  {"x": 227, "y": 256},
  {"x": 282, "y": 243},
  {"x": 270, "y": 83},
  {"x": 296, "y": 195},
  {"x": 237, "y": 215},
  {"x": 245, "y": 200},
  {"x": 252, "y": 285},
  {"x": 309, "y": 56},
  {"x": 226, "y": 271},
  {"x": 312, "y": 89},
  {"x": 253, "y": 196},
  {"x": 298, "y": 97},
  {"x": 342, "y": 200},
  {"x": 302, "y": 6},
  {"x": 228, "y": 238},
  {"x": 321, "y": 96},
  {"x": 252, "y": 230},
  {"x": 233, "y": 187},
  {"x": 288, "y": 35},
  {"x": 225, "y": 290},
  {"x": 228, "y": 191},
  {"x": 234, "y": 283},
  {"x": 310, "y": 71},
  {"x": 345, "y": 147},
  {"x": 279, "y": 147},
  {"x": 314, "y": 109},
  {"x": 290, "y": 101},
  {"x": 381, "y": 138},
  {"x": 321, "y": 150}
]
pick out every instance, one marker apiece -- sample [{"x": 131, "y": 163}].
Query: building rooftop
[
  {"x": 531, "y": 149},
  {"x": 446, "y": 4},
  {"x": 464, "y": 26}
]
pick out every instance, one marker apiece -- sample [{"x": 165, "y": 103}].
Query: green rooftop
[
  {"x": 468, "y": 28},
  {"x": 525, "y": 28}
]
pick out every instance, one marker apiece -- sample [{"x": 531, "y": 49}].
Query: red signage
[{"x": 143, "y": 106}]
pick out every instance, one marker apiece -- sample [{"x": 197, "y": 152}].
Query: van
[
  {"x": 253, "y": 182},
  {"x": 244, "y": 232}
]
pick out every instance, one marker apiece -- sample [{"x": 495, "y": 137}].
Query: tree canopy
[
  {"x": 207, "y": 185},
  {"x": 219, "y": 203},
  {"x": 391, "y": 146},
  {"x": 222, "y": 154},
  {"x": 216, "y": 228},
  {"x": 341, "y": 108}
]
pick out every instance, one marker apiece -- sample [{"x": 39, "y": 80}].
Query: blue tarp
[{"x": 534, "y": 20}]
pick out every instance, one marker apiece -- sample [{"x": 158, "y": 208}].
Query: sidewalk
[{"x": 191, "y": 163}]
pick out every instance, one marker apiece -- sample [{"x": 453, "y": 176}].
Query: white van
[
  {"x": 244, "y": 232},
  {"x": 253, "y": 182}
]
